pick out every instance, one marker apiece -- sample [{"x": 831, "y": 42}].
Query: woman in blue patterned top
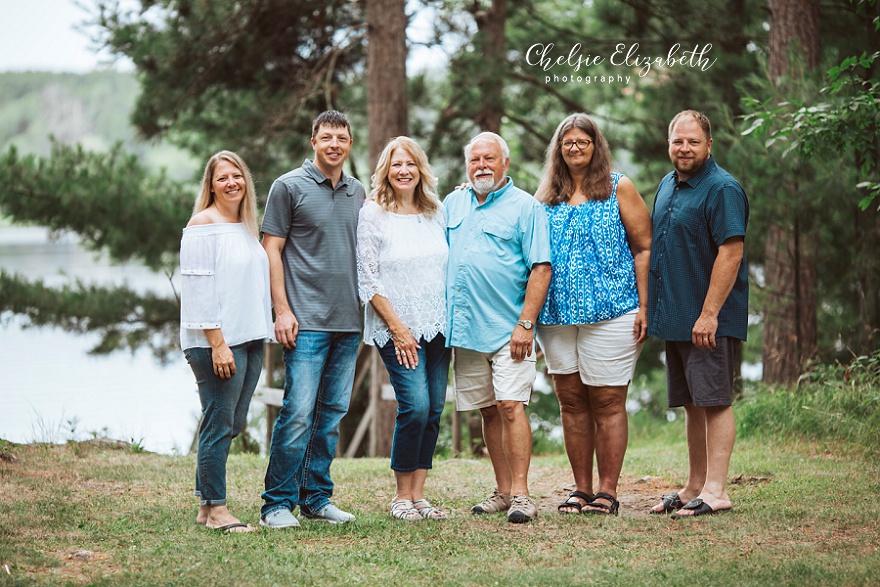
[{"x": 595, "y": 319}]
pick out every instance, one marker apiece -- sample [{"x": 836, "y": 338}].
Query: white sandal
[
  {"x": 403, "y": 509},
  {"x": 427, "y": 511}
]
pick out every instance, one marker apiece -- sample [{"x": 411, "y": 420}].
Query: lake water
[{"x": 52, "y": 390}]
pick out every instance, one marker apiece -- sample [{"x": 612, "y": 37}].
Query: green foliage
[
  {"x": 109, "y": 199},
  {"x": 843, "y": 118},
  {"x": 832, "y": 404},
  {"x": 122, "y": 317},
  {"x": 245, "y": 76},
  {"x": 90, "y": 109},
  {"x": 115, "y": 205},
  {"x": 74, "y": 108}
]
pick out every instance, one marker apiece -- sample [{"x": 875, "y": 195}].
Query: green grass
[{"x": 805, "y": 513}]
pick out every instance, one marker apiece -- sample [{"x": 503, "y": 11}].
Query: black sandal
[
  {"x": 671, "y": 503},
  {"x": 602, "y": 509},
  {"x": 572, "y": 502}
]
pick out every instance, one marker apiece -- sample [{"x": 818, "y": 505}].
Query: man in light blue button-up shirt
[{"x": 498, "y": 275}]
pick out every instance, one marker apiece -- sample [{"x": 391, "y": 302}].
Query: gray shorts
[{"x": 703, "y": 377}]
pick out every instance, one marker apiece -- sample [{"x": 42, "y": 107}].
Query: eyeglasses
[{"x": 581, "y": 145}]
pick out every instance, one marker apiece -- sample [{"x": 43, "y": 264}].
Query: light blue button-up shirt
[{"x": 492, "y": 249}]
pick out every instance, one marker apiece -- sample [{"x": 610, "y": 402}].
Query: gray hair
[{"x": 505, "y": 150}]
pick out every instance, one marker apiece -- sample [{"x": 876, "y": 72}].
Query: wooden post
[
  {"x": 375, "y": 393},
  {"x": 271, "y": 411},
  {"x": 456, "y": 432}
]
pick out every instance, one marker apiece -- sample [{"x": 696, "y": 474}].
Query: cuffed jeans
[
  {"x": 319, "y": 375},
  {"x": 421, "y": 394},
  {"x": 225, "y": 405}
]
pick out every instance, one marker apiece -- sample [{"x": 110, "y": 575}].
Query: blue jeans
[
  {"x": 319, "y": 375},
  {"x": 225, "y": 405},
  {"x": 421, "y": 394}
]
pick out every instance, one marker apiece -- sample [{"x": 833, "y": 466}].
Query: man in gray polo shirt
[{"x": 309, "y": 233}]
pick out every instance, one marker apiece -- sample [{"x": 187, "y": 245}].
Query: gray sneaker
[
  {"x": 329, "y": 513},
  {"x": 497, "y": 502},
  {"x": 522, "y": 509},
  {"x": 280, "y": 518}
]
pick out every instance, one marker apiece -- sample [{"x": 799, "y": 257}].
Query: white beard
[{"x": 483, "y": 184}]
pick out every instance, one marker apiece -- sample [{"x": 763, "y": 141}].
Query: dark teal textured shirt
[{"x": 692, "y": 218}]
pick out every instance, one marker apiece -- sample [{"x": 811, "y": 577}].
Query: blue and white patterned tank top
[{"x": 594, "y": 276}]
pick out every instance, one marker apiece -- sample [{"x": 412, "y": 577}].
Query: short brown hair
[
  {"x": 696, "y": 115},
  {"x": 331, "y": 118}
]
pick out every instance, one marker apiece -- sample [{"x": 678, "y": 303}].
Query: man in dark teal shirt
[{"x": 698, "y": 296}]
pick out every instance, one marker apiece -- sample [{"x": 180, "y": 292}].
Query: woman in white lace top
[{"x": 402, "y": 254}]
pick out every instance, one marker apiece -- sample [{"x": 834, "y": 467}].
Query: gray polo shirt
[{"x": 320, "y": 225}]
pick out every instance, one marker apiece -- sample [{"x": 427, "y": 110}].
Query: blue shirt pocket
[{"x": 498, "y": 230}]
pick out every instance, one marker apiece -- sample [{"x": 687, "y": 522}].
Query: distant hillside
[{"x": 92, "y": 109}]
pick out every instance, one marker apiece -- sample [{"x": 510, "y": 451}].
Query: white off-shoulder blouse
[
  {"x": 224, "y": 284},
  {"x": 402, "y": 257}
]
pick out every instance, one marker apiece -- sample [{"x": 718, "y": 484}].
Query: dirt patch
[
  {"x": 743, "y": 480},
  {"x": 636, "y": 495},
  {"x": 79, "y": 566}
]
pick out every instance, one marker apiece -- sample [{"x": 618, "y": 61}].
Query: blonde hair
[
  {"x": 248, "y": 207},
  {"x": 698, "y": 116},
  {"x": 557, "y": 185},
  {"x": 425, "y": 196}
]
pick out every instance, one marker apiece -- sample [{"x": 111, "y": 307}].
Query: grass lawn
[{"x": 91, "y": 514}]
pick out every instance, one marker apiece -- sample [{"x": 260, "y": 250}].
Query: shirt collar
[
  {"x": 312, "y": 170},
  {"x": 694, "y": 180},
  {"x": 493, "y": 195}
]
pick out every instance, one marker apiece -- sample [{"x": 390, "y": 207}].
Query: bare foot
[
  {"x": 602, "y": 498},
  {"x": 703, "y": 506},
  {"x": 574, "y": 498},
  {"x": 671, "y": 502},
  {"x": 219, "y": 516},
  {"x": 204, "y": 511}
]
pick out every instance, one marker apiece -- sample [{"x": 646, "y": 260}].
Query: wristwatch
[{"x": 527, "y": 324}]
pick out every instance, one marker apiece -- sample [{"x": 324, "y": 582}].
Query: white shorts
[
  {"x": 605, "y": 354},
  {"x": 484, "y": 379}
]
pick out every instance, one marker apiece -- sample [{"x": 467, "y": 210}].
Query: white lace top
[{"x": 402, "y": 257}]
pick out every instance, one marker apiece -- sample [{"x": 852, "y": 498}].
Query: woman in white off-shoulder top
[
  {"x": 402, "y": 253},
  {"x": 225, "y": 317}
]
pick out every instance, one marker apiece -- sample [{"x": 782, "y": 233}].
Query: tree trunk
[
  {"x": 867, "y": 237},
  {"x": 791, "y": 248},
  {"x": 386, "y": 73},
  {"x": 490, "y": 39},
  {"x": 387, "y": 118}
]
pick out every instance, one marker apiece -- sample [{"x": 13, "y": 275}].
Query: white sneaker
[
  {"x": 280, "y": 518},
  {"x": 329, "y": 513}
]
